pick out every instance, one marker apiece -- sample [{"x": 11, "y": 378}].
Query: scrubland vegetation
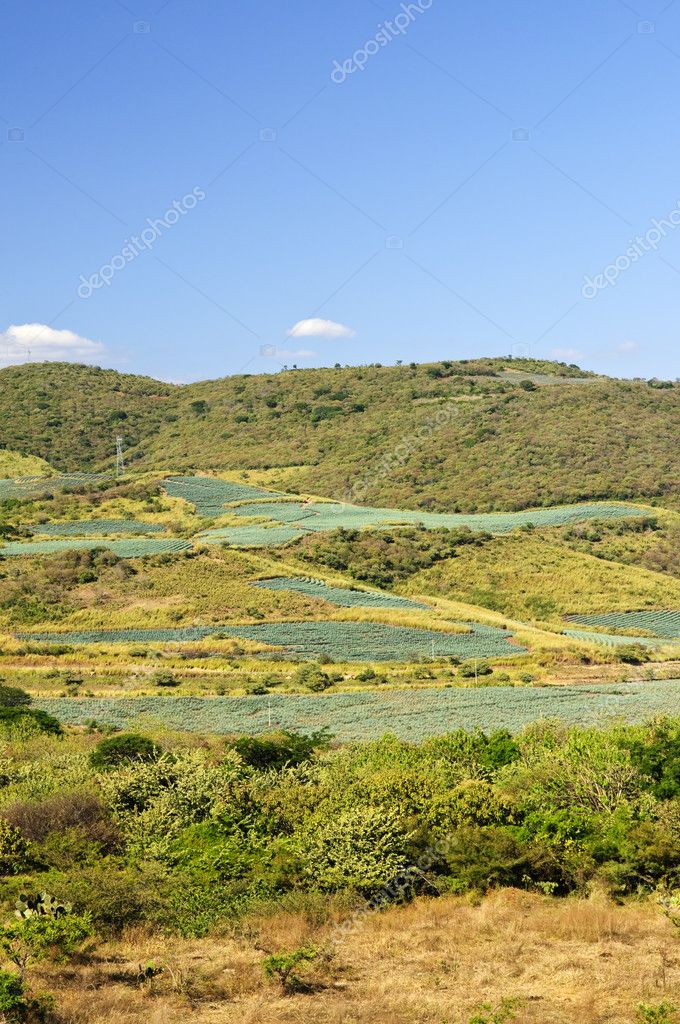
[{"x": 224, "y": 863}]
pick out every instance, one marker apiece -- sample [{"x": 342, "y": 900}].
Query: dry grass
[{"x": 433, "y": 962}]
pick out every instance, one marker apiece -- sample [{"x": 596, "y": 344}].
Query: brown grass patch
[{"x": 572, "y": 961}]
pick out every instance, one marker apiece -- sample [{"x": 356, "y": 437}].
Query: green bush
[
  {"x": 471, "y": 669},
  {"x": 282, "y": 966},
  {"x": 658, "y": 1013},
  {"x": 14, "y": 1005},
  {"x": 312, "y": 677},
  {"x": 166, "y": 678},
  {"x": 123, "y": 749},
  {"x": 15, "y": 850},
  {"x": 114, "y": 895},
  {"x": 279, "y": 750},
  {"x": 26, "y": 719},
  {"x": 362, "y": 848},
  {"x": 44, "y": 929}
]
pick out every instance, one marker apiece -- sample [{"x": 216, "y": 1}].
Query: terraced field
[
  {"x": 123, "y": 548},
  {"x": 659, "y": 624},
  {"x": 341, "y": 641},
  {"x": 344, "y": 597},
  {"x": 95, "y": 528},
  {"x": 409, "y": 714}
]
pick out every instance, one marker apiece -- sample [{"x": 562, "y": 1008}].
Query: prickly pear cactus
[{"x": 42, "y": 905}]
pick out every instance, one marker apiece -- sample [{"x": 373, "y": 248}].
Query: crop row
[
  {"x": 410, "y": 714},
  {"x": 615, "y": 639},
  {"x": 341, "y": 641},
  {"x": 661, "y": 624},
  {"x": 344, "y": 597},
  {"x": 95, "y": 527},
  {"x": 32, "y": 486},
  {"x": 133, "y": 548}
]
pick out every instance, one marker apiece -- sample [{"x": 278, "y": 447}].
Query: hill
[
  {"x": 482, "y": 435},
  {"x": 14, "y": 465},
  {"x": 69, "y": 414}
]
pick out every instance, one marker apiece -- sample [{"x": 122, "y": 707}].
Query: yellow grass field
[{"x": 436, "y": 961}]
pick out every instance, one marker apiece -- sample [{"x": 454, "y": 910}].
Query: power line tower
[{"x": 120, "y": 461}]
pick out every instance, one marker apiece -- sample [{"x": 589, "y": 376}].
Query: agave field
[
  {"x": 341, "y": 641},
  {"x": 298, "y": 517},
  {"x": 659, "y": 624},
  {"x": 279, "y": 511},
  {"x": 32, "y": 486},
  {"x": 616, "y": 639},
  {"x": 250, "y": 536},
  {"x": 344, "y": 597},
  {"x": 409, "y": 714},
  {"x": 95, "y": 528},
  {"x": 209, "y": 495},
  {"x": 133, "y": 548}
]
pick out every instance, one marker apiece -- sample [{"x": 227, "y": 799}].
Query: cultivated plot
[
  {"x": 341, "y": 641},
  {"x": 409, "y": 714}
]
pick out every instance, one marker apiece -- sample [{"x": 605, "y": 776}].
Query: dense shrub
[
  {"x": 123, "y": 749},
  {"x": 278, "y": 750},
  {"x": 79, "y": 810},
  {"x": 30, "y": 719},
  {"x": 15, "y": 850},
  {"x": 201, "y": 834},
  {"x": 383, "y": 558},
  {"x": 14, "y": 1004}
]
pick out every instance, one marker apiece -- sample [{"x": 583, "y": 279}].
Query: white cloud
[
  {"x": 316, "y": 328},
  {"x": 567, "y": 355},
  {"x": 21, "y": 343}
]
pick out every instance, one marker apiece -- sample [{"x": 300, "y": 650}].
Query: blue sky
[{"x": 440, "y": 185}]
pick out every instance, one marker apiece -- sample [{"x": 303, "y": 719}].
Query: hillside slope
[
  {"x": 469, "y": 436},
  {"x": 69, "y": 414}
]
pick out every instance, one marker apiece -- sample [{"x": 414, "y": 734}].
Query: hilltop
[{"x": 473, "y": 435}]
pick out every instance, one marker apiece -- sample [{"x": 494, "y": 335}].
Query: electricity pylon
[{"x": 120, "y": 461}]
